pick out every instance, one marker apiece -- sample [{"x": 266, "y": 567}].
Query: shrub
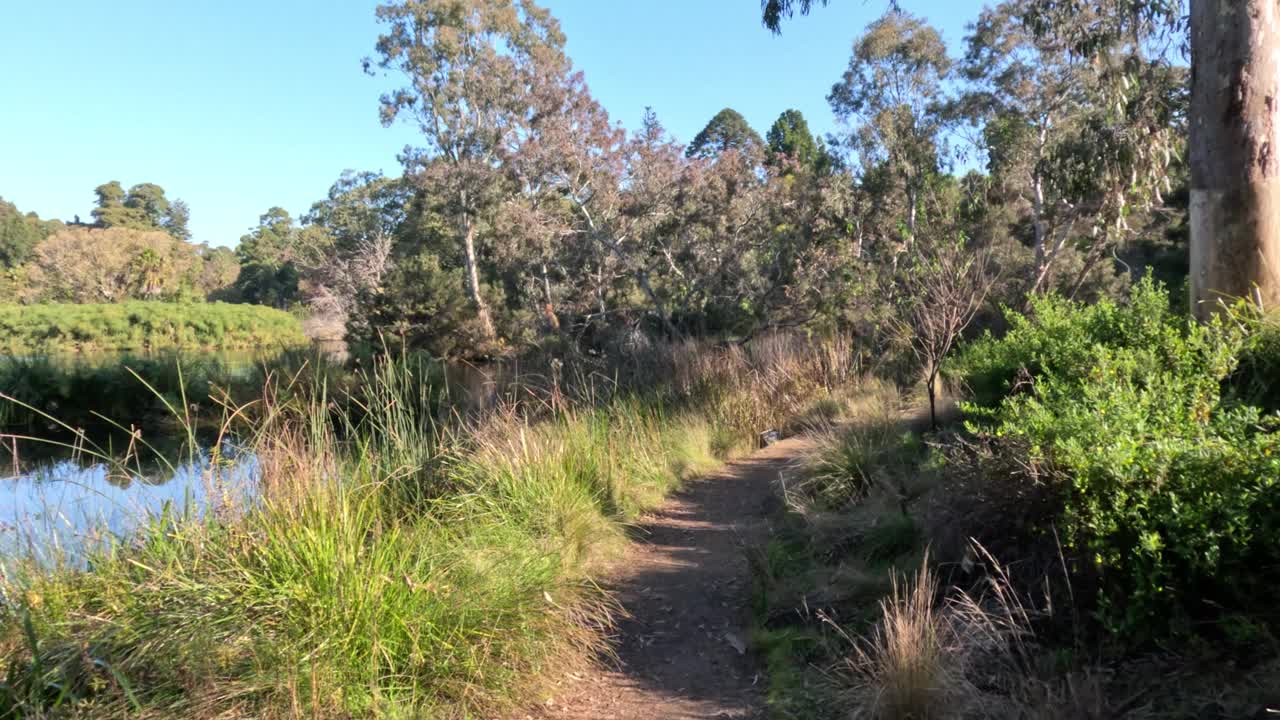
[{"x": 1171, "y": 497}]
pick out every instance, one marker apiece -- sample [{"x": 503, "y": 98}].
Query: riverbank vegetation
[
  {"x": 1082, "y": 521},
  {"x": 1097, "y": 519},
  {"x": 54, "y": 328},
  {"x": 395, "y": 563}
]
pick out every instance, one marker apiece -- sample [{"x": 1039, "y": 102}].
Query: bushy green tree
[
  {"x": 474, "y": 69},
  {"x": 19, "y": 234},
  {"x": 143, "y": 207},
  {"x": 272, "y": 256},
  {"x": 726, "y": 130},
  {"x": 789, "y": 137},
  {"x": 889, "y": 101}
]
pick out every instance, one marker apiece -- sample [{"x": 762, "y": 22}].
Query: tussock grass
[
  {"x": 901, "y": 671},
  {"x": 391, "y": 565},
  {"x": 869, "y": 450}
]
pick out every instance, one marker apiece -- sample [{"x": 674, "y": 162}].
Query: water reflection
[
  {"x": 54, "y": 506},
  {"x": 57, "y": 510}
]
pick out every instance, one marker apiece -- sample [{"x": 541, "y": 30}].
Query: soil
[{"x": 685, "y": 586}]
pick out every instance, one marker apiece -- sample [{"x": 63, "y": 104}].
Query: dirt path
[{"x": 686, "y": 585}]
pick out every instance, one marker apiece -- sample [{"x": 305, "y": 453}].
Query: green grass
[
  {"x": 391, "y": 568},
  {"x": 137, "y": 325}
]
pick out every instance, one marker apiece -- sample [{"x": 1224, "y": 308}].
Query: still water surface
[
  {"x": 54, "y": 505},
  {"x": 57, "y": 509}
]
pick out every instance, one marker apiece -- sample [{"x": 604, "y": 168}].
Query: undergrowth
[
  {"x": 1094, "y": 541},
  {"x": 391, "y": 565}
]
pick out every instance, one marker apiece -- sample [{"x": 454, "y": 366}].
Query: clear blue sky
[{"x": 238, "y": 105}]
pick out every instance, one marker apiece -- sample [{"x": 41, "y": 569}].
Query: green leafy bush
[{"x": 1172, "y": 497}]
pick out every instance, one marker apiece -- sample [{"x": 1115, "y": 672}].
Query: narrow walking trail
[{"x": 685, "y": 585}]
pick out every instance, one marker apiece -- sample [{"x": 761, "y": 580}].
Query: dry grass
[
  {"x": 942, "y": 653},
  {"x": 391, "y": 566},
  {"x": 903, "y": 669}
]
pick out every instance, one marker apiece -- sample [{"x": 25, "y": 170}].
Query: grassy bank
[
  {"x": 393, "y": 567},
  {"x": 136, "y": 326}
]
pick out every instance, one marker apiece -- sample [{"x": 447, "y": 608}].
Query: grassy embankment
[
  {"x": 393, "y": 567},
  {"x": 1095, "y": 539},
  {"x": 138, "y": 326}
]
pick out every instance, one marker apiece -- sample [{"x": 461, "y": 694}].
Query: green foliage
[
  {"x": 422, "y": 306},
  {"x": 390, "y": 567},
  {"x": 274, "y": 286},
  {"x": 773, "y": 11},
  {"x": 54, "y": 327},
  {"x": 19, "y": 234},
  {"x": 1172, "y": 488},
  {"x": 143, "y": 207},
  {"x": 789, "y": 137},
  {"x": 272, "y": 255},
  {"x": 727, "y": 130}
]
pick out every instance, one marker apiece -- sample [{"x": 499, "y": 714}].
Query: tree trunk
[
  {"x": 473, "y": 278},
  {"x": 911, "y": 217},
  {"x": 548, "y": 307},
  {"x": 659, "y": 307},
  {"x": 932, "y": 385},
  {"x": 1041, "y": 267},
  {"x": 1235, "y": 191}
]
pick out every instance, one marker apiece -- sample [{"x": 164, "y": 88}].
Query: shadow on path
[{"x": 685, "y": 585}]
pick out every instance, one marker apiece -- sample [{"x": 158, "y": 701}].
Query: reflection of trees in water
[{"x": 170, "y": 458}]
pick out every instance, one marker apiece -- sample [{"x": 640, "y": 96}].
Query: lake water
[
  {"x": 56, "y": 509},
  {"x": 54, "y": 506}
]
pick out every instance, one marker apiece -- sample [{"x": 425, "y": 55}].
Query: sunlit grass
[{"x": 391, "y": 564}]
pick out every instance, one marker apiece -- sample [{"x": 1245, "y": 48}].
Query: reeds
[{"x": 397, "y": 560}]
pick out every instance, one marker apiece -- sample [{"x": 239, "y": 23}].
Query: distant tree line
[
  {"x": 137, "y": 248},
  {"x": 527, "y": 214}
]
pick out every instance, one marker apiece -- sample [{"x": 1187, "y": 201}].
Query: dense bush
[
  {"x": 34, "y": 329},
  {"x": 1171, "y": 485}
]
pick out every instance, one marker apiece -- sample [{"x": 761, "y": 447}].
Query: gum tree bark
[{"x": 1235, "y": 172}]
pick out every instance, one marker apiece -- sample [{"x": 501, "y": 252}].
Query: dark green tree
[
  {"x": 112, "y": 211},
  {"x": 270, "y": 257},
  {"x": 175, "y": 221},
  {"x": 264, "y": 284},
  {"x": 728, "y": 130},
  {"x": 789, "y": 137},
  {"x": 143, "y": 207},
  {"x": 19, "y": 234}
]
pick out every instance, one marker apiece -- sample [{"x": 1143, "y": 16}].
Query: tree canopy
[
  {"x": 727, "y": 130},
  {"x": 143, "y": 207}
]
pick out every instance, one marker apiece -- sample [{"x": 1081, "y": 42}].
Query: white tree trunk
[
  {"x": 1235, "y": 169},
  {"x": 473, "y": 279}
]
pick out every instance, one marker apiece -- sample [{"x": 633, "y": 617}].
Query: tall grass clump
[
  {"x": 143, "y": 325},
  {"x": 396, "y": 560}
]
